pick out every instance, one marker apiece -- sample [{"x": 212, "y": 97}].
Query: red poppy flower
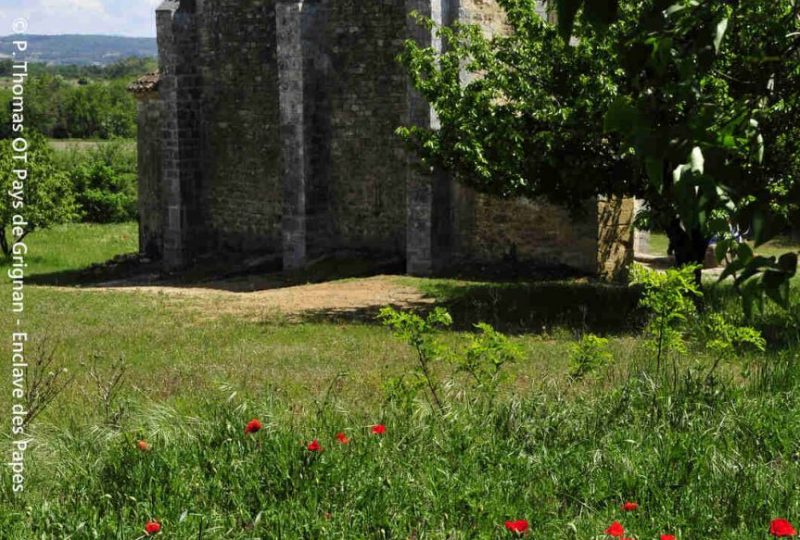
[
  {"x": 152, "y": 527},
  {"x": 342, "y": 438},
  {"x": 668, "y": 537},
  {"x": 520, "y": 526},
  {"x": 253, "y": 426},
  {"x": 630, "y": 506},
  {"x": 379, "y": 429},
  {"x": 314, "y": 446},
  {"x": 615, "y": 529},
  {"x": 781, "y": 528},
  {"x": 143, "y": 445}
]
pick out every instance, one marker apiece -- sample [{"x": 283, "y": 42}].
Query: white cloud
[{"x": 121, "y": 17}]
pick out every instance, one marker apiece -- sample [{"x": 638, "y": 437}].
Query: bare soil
[{"x": 254, "y": 298}]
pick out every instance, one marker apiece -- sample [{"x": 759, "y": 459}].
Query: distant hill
[{"x": 81, "y": 49}]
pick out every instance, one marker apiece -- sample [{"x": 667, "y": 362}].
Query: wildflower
[
  {"x": 342, "y": 438},
  {"x": 520, "y": 526},
  {"x": 379, "y": 429},
  {"x": 615, "y": 529},
  {"x": 668, "y": 537},
  {"x": 630, "y": 506},
  {"x": 143, "y": 445},
  {"x": 781, "y": 528},
  {"x": 314, "y": 446},
  {"x": 253, "y": 426},
  {"x": 152, "y": 527}
]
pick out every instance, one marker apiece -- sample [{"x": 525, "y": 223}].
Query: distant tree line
[
  {"x": 127, "y": 68},
  {"x": 85, "y": 102}
]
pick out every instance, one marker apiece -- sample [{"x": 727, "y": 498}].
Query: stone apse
[{"x": 270, "y": 129}]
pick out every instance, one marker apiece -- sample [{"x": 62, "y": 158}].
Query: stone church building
[{"x": 270, "y": 129}]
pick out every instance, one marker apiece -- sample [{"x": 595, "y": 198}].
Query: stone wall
[
  {"x": 150, "y": 158},
  {"x": 279, "y": 121},
  {"x": 241, "y": 193},
  {"x": 615, "y": 237},
  {"x": 357, "y": 98}
]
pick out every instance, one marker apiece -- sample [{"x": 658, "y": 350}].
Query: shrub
[
  {"x": 48, "y": 196},
  {"x": 104, "y": 196},
  {"x": 588, "y": 355},
  {"x": 104, "y": 181},
  {"x": 669, "y": 297}
]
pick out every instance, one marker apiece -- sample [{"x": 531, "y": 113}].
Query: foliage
[
  {"x": 105, "y": 184},
  {"x": 588, "y": 356},
  {"x": 420, "y": 333},
  {"x": 697, "y": 470},
  {"x": 521, "y": 113},
  {"x": 670, "y": 298},
  {"x": 59, "y": 108},
  {"x": 46, "y": 379},
  {"x": 753, "y": 274},
  {"x": 640, "y": 98},
  {"x": 684, "y": 100},
  {"x": 700, "y": 464},
  {"x": 482, "y": 359},
  {"x": 486, "y": 354},
  {"x": 47, "y": 195},
  {"x": 723, "y": 339}
]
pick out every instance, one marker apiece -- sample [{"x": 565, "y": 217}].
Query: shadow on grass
[
  {"x": 521, "y": 307},
  {"x": 780, "y": 327},
  {"x": 532, "y": 303},
  {"x": 233, "y": 275}
]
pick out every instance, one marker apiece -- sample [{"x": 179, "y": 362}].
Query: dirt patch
[{"x": 254, "y": 298}]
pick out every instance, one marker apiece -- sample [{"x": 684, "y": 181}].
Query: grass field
[
  {"x": 658, "y": 244},
  {"x": 88, "y": 144},
  {"x": 704, "y": 458}
]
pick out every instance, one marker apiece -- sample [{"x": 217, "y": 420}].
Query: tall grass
[
  {"x": 703, "y": 462},
  {"x": 705, "y": 458}
]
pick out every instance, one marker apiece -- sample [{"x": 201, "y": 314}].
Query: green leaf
[
  {"x": 655, "y": 172},
  {"x": 776, "y": 286},
  {"x": 622, "y": 116},
  {"x": 734, "y": 266},
  {"x": 697, "y": 161},
  {"x": 751, "y": 296},
  {"x": 744, "y": 252},
  {"x": 788, "y": 263},
  {"x": 764, "y": 227},
  {"x": 719, "y": 33},
  {"x": 680, "y": 6},
  {"x": 721, "y": 250}
]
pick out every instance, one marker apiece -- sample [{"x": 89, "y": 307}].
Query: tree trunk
[
  {"x": 4, "y": 243},
  {"x": 689, "y": 247}
]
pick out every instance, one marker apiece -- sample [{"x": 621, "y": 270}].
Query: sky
[{"x": 134, "y": 18}]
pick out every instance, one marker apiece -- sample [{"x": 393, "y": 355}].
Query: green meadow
[{"x": 559, "y": 419}]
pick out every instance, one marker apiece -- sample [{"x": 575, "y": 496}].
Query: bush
[
  {"x": 104, "y": 195},
  {"x": 48, "y": 197},
  {"x": 588, "y": 355},
  {"x": 104, "y": 180}
]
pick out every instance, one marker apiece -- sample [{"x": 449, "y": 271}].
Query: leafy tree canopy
[{"x": 691, "y": 106}]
